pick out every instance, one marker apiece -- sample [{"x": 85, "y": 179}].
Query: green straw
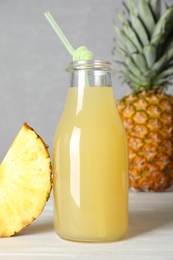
[{"x": 81, "y": 53}]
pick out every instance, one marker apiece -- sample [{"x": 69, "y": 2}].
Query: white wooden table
[{"x": 150, "y": 235}]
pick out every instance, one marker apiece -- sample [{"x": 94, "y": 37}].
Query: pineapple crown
[{"x": 145, "y": 45}]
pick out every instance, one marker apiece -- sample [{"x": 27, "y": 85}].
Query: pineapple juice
[{"x": 90, "y": 166}]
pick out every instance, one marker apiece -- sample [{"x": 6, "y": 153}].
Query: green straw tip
[{"x": 82, "y": 53}]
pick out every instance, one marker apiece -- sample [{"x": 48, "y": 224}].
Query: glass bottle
[{"x": 90, "y": 159}]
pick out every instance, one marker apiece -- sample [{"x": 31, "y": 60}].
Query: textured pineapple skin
[{"x": 148, "y": 120}]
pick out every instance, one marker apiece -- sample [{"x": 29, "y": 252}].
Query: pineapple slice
[{"x": 25, "y": 182}]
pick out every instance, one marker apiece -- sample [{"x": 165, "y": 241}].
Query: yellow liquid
[{"x": 90, "y": 166}]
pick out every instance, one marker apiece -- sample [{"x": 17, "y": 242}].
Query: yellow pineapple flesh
[
  {"x": 148, "y": 120},
  {"x": 25, "y": 181}
]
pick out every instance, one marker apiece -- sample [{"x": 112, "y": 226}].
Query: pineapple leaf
[
  {"x": 136, "y": 83},
  {"x": 131, "y": 47},
  {"x": 122, "y": 63},
  {"x": 132, "y": 66},
  {"x": 133, "y": 9},
  {"x": 163, "y": 27},
  {"x": 140, "y": 61},
  {"x": 150, "y": 54},
  {"x": 167, "y": 72},
  {"x": 165, "y": 59},
  {"x": 162, "y": 83},
  {"x": 133, "y": 72},
  {"x": 139, "y": 29},
  {"x": 121, "y": 52},
  {"x": 145, "y": 45},
  {"x": 144, "y": 9},
  {"x": 166, "y": 5},
  {"x": 126, "y": 7},
  {"x": 156, "y": 8},
  {"x": 138, "y": 58},
  {"x": 122, "y": 19},
  {"x": 131, "y": 77},
  {"x": 131, "y": 33}
]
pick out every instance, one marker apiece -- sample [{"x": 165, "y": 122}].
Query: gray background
[{"x": 33, "y": 81}]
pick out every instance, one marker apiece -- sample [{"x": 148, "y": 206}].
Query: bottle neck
[
  {"x": 90, "y": 74},
  {"x": 90, "y": 79}
]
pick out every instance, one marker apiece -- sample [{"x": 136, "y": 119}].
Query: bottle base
[{"x": 92, "y": 241}]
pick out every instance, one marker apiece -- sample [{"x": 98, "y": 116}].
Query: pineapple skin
[{"x": 148, "y": 120}]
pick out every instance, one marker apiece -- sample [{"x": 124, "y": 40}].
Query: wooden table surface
[{"x": 150, "y": 235}]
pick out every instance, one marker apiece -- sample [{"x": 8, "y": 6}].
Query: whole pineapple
[{"x": 145, "y": 46}]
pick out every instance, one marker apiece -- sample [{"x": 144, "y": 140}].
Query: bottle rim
[{"x": 90, "y": 65}]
